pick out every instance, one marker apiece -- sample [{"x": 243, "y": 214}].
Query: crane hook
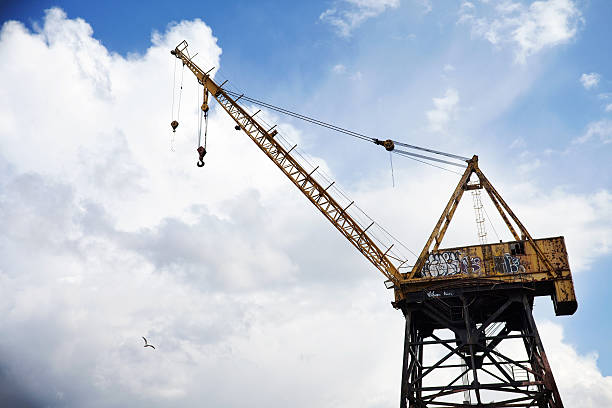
[
  {"x": 174, "y": 125},
  {"x": 201, "y": 152}
]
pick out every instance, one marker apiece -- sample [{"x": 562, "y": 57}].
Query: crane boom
[
  {"x": 542, "y": 262},
  {"x": 302, "y": 179}
]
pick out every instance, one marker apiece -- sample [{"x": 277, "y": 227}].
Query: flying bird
[{"x": 147, "y": 344}]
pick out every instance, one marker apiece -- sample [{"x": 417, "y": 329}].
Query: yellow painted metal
[
  {"x": 302, "y": 179},
  {"x": 564, "y": 297},
  {"x": 502, "y": 263},
  {"x": 440, "y": 229},
  {"x": 438, "y": 232},
  {"x": 541, "y": 262}
]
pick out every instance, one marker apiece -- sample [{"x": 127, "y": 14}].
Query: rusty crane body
[{"x": 482, "y": 294}]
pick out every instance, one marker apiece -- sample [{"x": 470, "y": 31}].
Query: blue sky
[{"x": 525, "y": 85}]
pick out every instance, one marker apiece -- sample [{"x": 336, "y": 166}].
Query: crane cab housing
[{"x": 495, "y": 267}]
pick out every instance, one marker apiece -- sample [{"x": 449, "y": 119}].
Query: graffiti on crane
[
  {"x": 437, "y": 294},
  {"x": 508, "y": 264},
  {"x": 451, "y": 263}
]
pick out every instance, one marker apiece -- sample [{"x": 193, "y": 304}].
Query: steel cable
[{"x": 348, "y": 132}]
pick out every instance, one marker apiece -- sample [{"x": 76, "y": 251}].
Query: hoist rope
[
  {"x": 205, "y": 128},
  {"x": 403, "y": 152},
  {"x": 178, "y": 111},
  {"x": 392, "y": 175},
  {"x": 173, "y": 89},
  {"x": 348, "y": 132},
  {"x": 200, "y": 113},
  {"x": 454, "y": 156},
  {"x": 172, "y": 110},
  {"x": 430, "y": 164},
  {"x": 205, "y": 113},
  {"x": 300, "y": 116}
]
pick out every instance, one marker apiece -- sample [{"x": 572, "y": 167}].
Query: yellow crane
[{"x": 482, "y": 293}]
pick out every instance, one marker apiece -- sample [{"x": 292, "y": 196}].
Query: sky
[{"x": 110, "y": 232}]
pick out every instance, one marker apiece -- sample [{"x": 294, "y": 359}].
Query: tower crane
[{"x": 483, "y": 294}]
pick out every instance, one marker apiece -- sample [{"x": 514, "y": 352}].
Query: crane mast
[{"x": 302, "y": 179}]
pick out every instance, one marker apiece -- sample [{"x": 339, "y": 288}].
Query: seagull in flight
[{"x": 147, "y": 344}]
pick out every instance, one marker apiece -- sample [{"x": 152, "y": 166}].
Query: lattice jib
[{"x": 308, "y": 185}]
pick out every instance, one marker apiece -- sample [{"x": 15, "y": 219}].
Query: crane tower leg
[{"x": 467, "y": 348}]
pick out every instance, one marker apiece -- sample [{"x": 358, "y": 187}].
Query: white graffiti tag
[{"x": 450, "y": 263}]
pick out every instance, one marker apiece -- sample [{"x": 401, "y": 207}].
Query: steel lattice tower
[{"x": 475, "y": 325}]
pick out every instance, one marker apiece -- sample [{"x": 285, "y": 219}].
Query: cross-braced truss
[{"x": 495, "y": 358}]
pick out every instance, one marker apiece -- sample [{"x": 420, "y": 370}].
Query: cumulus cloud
[
  {"x": 590, "y": 388},
  {"x": 590, "y": 80},
  {"x": 588, "y": 232},
  {"x": 445, "y": 110},
  {"x": 527, "y": 29},
  {"x": 347, "y": 15},
  {"x": 108, "y": 236}
]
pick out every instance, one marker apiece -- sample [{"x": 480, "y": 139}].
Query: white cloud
[
  {"x": 350, "y": 14},
  {"x": 448, "y": 68},
  {"x": 590, "y": 80},
  {"x": 529, "y": 165},
  {"x": 427, "y": 6},
  {"x": 601, "y": 129},
  {"x": 445, "y": 110},
  {"x": 608, "y": 107},
  {"x": 108, "y": 236},
  {"x": 604, "y": 95},
  {"x": 518, "y": 143},
  {"x": 588, "y": 389},
  {"x": 339, "y": 69},
  {"x": 529, "y": 30}
]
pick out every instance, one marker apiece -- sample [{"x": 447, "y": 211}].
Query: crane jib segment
[{"x": 301, "y": 178}]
